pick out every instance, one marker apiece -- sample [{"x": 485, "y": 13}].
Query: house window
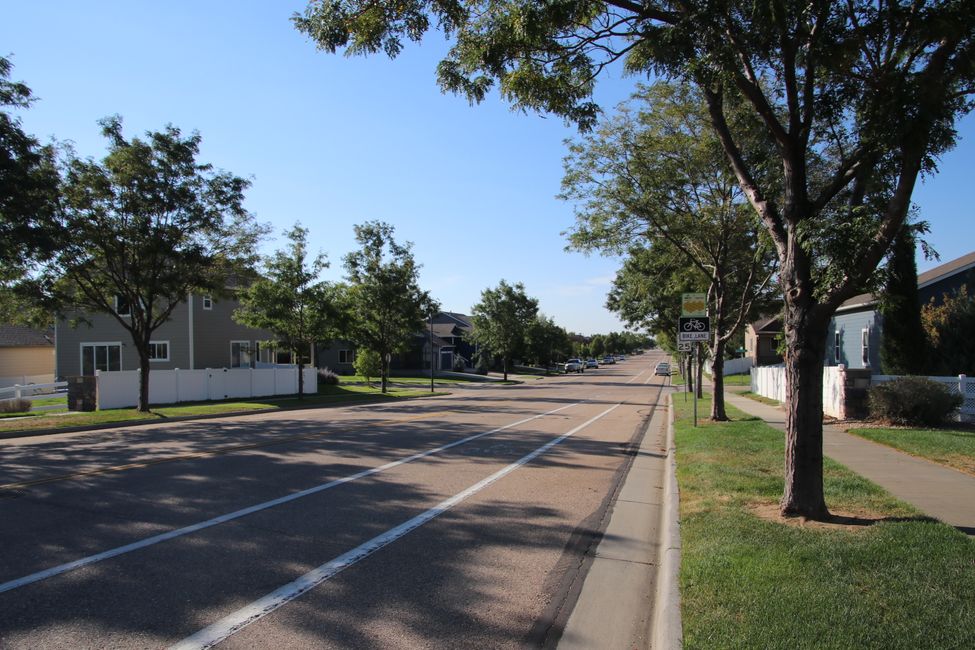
[
  {"x": 122, "y": 306},
  {"x": 240, "y": 354},
  {"x": 158, "y": 350},
  {"x": 100, "y": 356},
  {"x": 837, "y": 347},
  {"x": 282, "y": 356},
  {"x": 865, "y": 347},
  {"x": 208, "y": 302},
  {"x": 346, "y": 356}
]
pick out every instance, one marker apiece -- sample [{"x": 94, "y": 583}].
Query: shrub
[
  {"x": 16, "y": 405},
  {"x": 459, "y": 364},
  {"x": 327, "y": 377},
  {"x": 913, "y": 401},
  {"x": 368, "y": 364}
]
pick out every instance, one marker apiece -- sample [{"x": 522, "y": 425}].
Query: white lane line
[
  {"x": 238, "y": 620},
  {"x": 237, "y": 514}
]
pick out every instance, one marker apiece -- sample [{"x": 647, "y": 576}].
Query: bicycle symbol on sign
[{"x": 694, "y": 324}]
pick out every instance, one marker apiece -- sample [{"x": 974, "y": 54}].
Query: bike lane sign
[{"x": 693, "y": 328}]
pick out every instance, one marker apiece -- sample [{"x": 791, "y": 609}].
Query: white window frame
[
  {"x": 250, "y": 352},
  {"x": 865, "y": 346},
  {"x": 837, "y": 346},
  {"x": 168, "y": 353},
  {"x": 349, "y": 355},
  {"x": 207, "y": 302},
  {"x": 125, "y": 315},
  {"x": 94, "y": 344}
]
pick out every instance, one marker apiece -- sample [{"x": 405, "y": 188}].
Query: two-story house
[{"x": 200, "y": 333}]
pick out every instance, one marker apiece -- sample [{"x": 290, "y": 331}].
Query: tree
[
  {"x": 29, "y": 186},
  {"x": 948, "y": 324},
  {"x": 385, "y": 305},
  {"x": 502, "y": 319},
  {"x": 368, "y": 364},
  {"x": 289, "y": 301},
  {"x": 143, "y": 228},
  {"x": 902, "y": 349},
  {"x": 656, "y": 177},
  {"x": 858, "y": 98},
  {"x": 597, "y": 345},
  {"x": 545, "y": 341}
]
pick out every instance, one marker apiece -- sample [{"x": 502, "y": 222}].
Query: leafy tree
[
  {"x": 545, "y": 341},
  {"x": 597, "y": 345},
  {"x": 902, "y": 347},
  {"x": 858, "y": 99},
  {"x": 385, "y": 305},
  {"x": 368, "y": 364},
  {"x": 289, "y": 301},
  {"x": 658, "y": 176},
  {"x": 145, "y": 226},
  {"x": 29, "y": 185},
  {"x": 502, "y": 319},
  {"x": 948, "y": 326}
]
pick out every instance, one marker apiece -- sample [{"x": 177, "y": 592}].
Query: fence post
[
  {"x": 17, "y": 391},
  {"x": 962, "y": 386},
  {"x": 841, "y": 378}
]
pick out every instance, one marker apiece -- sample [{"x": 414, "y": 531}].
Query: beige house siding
[{"x": 30, "y": 361}]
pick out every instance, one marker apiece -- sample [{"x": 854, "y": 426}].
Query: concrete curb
[{"x": 667, "y": 630}]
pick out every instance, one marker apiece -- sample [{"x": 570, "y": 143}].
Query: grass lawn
[
  {"x": 359, "y": 379},
  {"x": 327, "y": 396},
  {"x": 749, "y": 580},
  {"x": 761, "y": 398},
  {"x": 951, "y": 447},
  {"x": 738, "y": 380}
]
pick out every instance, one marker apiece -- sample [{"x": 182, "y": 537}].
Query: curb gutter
[{"x": 667, "y": 630}]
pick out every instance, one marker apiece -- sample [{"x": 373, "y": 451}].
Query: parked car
[
  {"x": 608, "y": 360},
  {"x": 663, "y": 368},
  {"x": 574, "y": 365},
  {"x": 592, "y": 363},
  {"x": 622, "y": 357}
]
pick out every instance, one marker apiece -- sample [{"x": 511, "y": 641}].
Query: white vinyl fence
[
  {"x": 27, "y": 391},
  {"x": 120, "y": 389},
  {"x": 769, "y": 381},
  {"x": 962, "y": 384},
  {"x": 733, "y": 366}
]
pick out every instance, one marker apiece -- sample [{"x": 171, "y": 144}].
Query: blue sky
[{"x": 332, "y": 141}]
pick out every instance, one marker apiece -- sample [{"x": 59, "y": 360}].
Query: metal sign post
[
  {"x": 693, "y": 326},
  {"x": 697, "y": 353}
]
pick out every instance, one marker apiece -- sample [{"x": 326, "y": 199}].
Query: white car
[
  {"x": 575, "y": 365},
  {"x": 663, "y": 368}
]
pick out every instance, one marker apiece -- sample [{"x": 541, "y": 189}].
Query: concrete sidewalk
[{"x": 936, "y": 490}]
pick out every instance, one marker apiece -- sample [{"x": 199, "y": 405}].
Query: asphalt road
[{"x": 460, "y": 521}]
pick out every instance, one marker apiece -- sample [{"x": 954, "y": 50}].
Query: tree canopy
[
  {"x": 29, "y": 185},
  {"x": 290, "y": 301},
  {"x": 384, "y": 303},
  {"x": 502, "y": 320},
  {"x": 144, "y": 227}
]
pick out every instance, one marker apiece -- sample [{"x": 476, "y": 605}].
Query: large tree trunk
[
  {"x": 717, "y": 378},
  {"x": 806, "y": 342},
  {"x": 504, "y": 363},
  {"x": 144, "y": 380}
]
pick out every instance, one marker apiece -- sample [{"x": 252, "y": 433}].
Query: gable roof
[
  {"x": 18, "y": 336},
  {"x": 940, "y": 272},
  {"x": 768, "y": 324}
]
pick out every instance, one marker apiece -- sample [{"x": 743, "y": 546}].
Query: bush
[
  {"x": 459, "y": 364},
  {"x": 913, "y": 401},
  {"x": 368, "y": 364},
  {"x": 327, "y": 377},
  {"x": 16, "y": 405}
]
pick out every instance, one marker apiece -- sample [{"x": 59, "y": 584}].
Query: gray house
[
  {"x": 200, "y": 333},
  {"x": 857, "y": 327}
]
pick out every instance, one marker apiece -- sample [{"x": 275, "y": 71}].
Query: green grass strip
[
  {"x": 748, "y": 580},
  {"x": 328, "y": 396}
]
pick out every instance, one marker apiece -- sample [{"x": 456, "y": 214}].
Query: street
[{"x": 456, "y": 521}]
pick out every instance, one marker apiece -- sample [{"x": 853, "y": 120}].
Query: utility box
[{"x": 82, "y": 393}]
